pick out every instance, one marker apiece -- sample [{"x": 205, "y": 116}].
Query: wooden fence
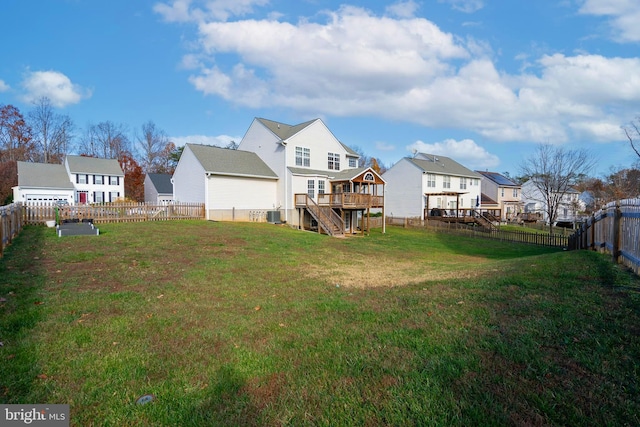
[
  {"x": 10, "y": 224},
  {"x": 13, "y": 217},
  {"x": 131, "y": 212},
  {"x": 542, "y": 239},
  {"x": 614, "y": 229}
]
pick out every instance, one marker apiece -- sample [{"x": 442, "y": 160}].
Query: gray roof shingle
[
  {"x": 162, "y": 182},
  {"x": 94, "y": 166},
  {"x": 444, "y": 166},
  {"x": 225, "y": 161},
  {"x": 43, "y": 175}
]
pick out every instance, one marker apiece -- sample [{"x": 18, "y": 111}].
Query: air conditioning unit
[{"x": 273, "y": 217}]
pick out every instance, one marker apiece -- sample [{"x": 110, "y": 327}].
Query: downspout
[
  {"x": 286, "y": 187},
  {"x": 206, "y": 195}
]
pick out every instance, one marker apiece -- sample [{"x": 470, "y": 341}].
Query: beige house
[{"x": 501, "y": 196}]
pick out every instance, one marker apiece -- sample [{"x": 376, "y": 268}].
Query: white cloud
[
  {"x": 198, "y": 11},
  {"x": 465, "y": 152},
  {"x": 3, "y": 86},
  {"x": 623, "y": 15},
  {"x": 55, "y": 86},
  {"x": 218, "y": 141},
  {"x": 409, "y": 70},
  {"x": 403, "y": 9},
  {"x": 466, "y": 6}
]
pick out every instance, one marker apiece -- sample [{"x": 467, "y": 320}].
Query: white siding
[
  {"x": 189, "y": 179},
  {"x": 226, "y": 192},
  {"x": 319, "y": 139},
  {"x": 404, "y": 196},
  {"x": 260, "y": 140}
]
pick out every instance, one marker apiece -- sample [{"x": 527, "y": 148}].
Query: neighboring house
[
  {"x": 429, "y": 184},
  {"x": 311, "y": 164},
  {"x": 232, "y": 184},
  {"x": 95, "y": 180},
  {"x": 43, "y": 183},
  {"x": 158, "y": 188},
  {"x": 501, "y": 192},
  {"x": 569, "y": 204}
]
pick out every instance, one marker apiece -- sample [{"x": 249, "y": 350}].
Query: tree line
[{"x": 42, "y": 135}]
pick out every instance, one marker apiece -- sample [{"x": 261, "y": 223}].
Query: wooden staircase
[
  {"x": 484, "y": 221},
  {"x": 326, "y": 217}
]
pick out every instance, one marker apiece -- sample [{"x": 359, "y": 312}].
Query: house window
[
  {"x": 334, "y": 161},
  {"x": 303, "y": 156},
  {"x": 431, "y": 180},
  {"x": 81, "y": 179},
  {"x": 368, "y": 177},
  {"x": 321, "y": 186},
  {"x": 463, "y": 183},
  {"x": 98, "y": 179},
  {"x": 446, "y": 181},
  {"x": 515, "y": 192},
  {"x": 114, "y": 180},
  {"x": 502, "y": 192},
  {"x": 311, "y": 188},
  {"x": 113, "y": 196},
  {"x": 98, "y": 197},
  {"x": 352, "y": 162}
]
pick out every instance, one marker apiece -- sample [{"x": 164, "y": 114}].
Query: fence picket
[{"x": 615, "y": 230}]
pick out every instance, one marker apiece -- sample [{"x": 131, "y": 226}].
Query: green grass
[{"x": 255, "y": 324}]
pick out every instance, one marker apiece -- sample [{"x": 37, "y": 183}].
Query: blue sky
[{"x": 481, "y": 81}]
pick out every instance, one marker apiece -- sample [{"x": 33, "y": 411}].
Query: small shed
[{"x": 158, "y": 188}]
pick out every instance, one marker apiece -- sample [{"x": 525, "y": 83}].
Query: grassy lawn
[{"x": 253, "y": 324}]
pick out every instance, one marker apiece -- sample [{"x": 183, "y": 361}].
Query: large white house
[
  {"x": 78, "y": 180},
  {"x": 95, "y": 180},
  {"x": 302, "y": 171},
  {"x": 430, "y": 184},
  {"x": 312, "y": 164}
]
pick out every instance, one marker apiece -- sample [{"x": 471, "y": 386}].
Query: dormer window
[
  {"x": 303, "y": 156},
  {"x": 352, "y": 162}
]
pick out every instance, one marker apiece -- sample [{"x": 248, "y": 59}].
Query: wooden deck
[{"x": 343, "y": 200}]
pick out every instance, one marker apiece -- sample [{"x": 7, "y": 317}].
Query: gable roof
[
  {"x": 284, "y": 131},
  {"x": 43, "y": 175},
  {"x": 225, "y": 161},
  {"x": 93, "y": 165},
  {"x": 162, "y": 182},
  {"x": 442, "y": 165},
  {"x": 499, "y": 179}
]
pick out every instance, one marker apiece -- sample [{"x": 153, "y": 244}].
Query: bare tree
[
  {"x": 52, "y": 132},
  {"x": 554, "y": 171},
  {"x": 105, "y": 140},
  {"x": 16, "y": 141},
  {"x": 152, "y": 143},
  {"x": 632, "y": 131}
]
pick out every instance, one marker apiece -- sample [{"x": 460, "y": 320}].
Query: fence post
[{"x": 617, "y": 214}]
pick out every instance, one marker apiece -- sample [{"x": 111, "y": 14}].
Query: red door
[{"x": 82, "y": 197}]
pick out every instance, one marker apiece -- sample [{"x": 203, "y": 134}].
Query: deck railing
[
  {"x": 543, "y": 239},
  {"x": 325, "y": 215},
  {"x": 350, "y": 200}
]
